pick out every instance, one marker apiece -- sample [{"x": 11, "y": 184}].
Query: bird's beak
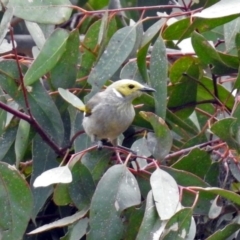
[{"x": 147, "y": 89}]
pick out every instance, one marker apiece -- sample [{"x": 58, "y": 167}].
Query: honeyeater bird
[{"x": 110, "y": 112}]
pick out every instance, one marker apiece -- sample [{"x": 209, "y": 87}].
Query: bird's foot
[{"x": 99, "y": 145}]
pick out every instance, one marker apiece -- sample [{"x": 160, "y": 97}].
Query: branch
[{"x": 35, "y": 125}]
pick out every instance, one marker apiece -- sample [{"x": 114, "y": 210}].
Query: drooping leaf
[
  {"x": 43, "y": 159},
  {"x": 82, "y": 186},
  {"x": 21, "y": 141},
  {"x": 162, "y": 135},
  {"x": 117, "y": 51},
  {"x": 62, "y": 222},
  {"x": 52, "y": 176},
  {"x": 71, "y": 98},
  {"x": 77, "y": 231},
  {"x": 7, "y": 145},
  {"x": 184, "y": 74},
  {"x": 116, "y": 191},
  {"x": 151, "y": 32},
  {"x": 36, "y": 33},
  {"x": 61, "y": 196},
  {"x": 178, "y": 225},
  {"x": 223, "y": 130},
  {"x": 6, "y": 19},
  {"x": 158, "y": 76},
  {"x": 97, "y": 162},
  {"x": 213, "y": 57},
  {"x": 64, "y": 73},
  {"x": 131, "y": 71},
  {"x": 224, "y": 233},
  {"x": 165, "y": 193},
  {"x": 197, "y": 162},
  {"x": 222, "y": 192},
  {"x": 15, "y": 203},
  {"x": 220, "y": 9},
  {"x": 48, "y": 57},
  {"x": 53, "y": 12}
]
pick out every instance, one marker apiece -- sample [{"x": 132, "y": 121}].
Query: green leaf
[
  {"x": 142, "y": 63},
  {"x": 21, "y": 142},
  {"x": 48, "y": 57},
  {"x": 223, "y": 94},
  {"x": 54, "y": 175},
  {"x": 197, "y": 162},
  {"x": 98, "y": 4},
  {"x": 6, "y": 19},
  {"x": 230, "y": 32},
  {"x": 165, "y": 193},
  {"x": 152, "y": 32},
  {"x": 71, "y": 98},
  {"x": 235, "y": 169},
  {"x": 131, "y": 71},
  {"x": 151, "y": 222},
  {"x": 116, "y": 191},
  {"x": 90, "y": 49},
  {"x": 140, "y": 147},
  {"x": 41, "y": 105},
  {"x": 201, "y": 45},
  {"x": 178, "y": 224},
  {"x": 223, "y": 129},
  {"x": 176, "y": 30},
  {"x": 215, "y": 209},
  {"x": 235, "y": 133},
  {"x": 204, "y": 25},
  {"x": 43, "y": 159},
  {"x": 4, "y": 116},
  {"x": 61, "y": 195},
  {"x": 224, "y": 233},
  {"x": 82, "y": 187},
  {"x": 184, "y": 178},
  {"x": 8, "y": 75},
  {"x": 203, "y": 204},
  {"x": 134, "y": 218},
  {"x": 175, "y": 120},
  {"x": 158, "y": 76},
  {"x": 97, "y": 162},
  {"x": 15, "y": 203},
  {"x": 117, "y": 51},
  {"x": 237, "y": 42},
  {"x": 220, "y": 9},
  {"x": 184, "y": 89},
  {"x": 36, "y": 33},
  {"x": 65, "y": 72},
  {"x": 162, "y": 135},
  {"x": 77, "y": 231},
  {"x": 61, "y": 222},
  {"x": 53, "y": 12},
  {"x": 45, "y": 112},
  {"x": 229, "y": 195},
  {"x": 212, "y": 175},
  {"x": 210, "y": 3},
  {"x": 7, "y": 145}
]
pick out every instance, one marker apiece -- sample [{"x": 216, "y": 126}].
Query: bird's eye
[{"x": 131, "y": 86}]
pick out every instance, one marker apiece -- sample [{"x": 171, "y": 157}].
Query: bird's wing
[{"x": 93, "y": 102}]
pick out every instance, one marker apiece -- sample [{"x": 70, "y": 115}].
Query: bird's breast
[{"x": 108, "y": 121}]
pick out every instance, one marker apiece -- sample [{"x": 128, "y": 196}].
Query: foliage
[{"x": 180, "y": 178}]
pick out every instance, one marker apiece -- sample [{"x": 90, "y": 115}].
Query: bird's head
[{"x": 129, "y": 89}]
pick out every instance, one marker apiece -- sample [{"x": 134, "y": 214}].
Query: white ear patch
[{"x": 118, "y": 94}]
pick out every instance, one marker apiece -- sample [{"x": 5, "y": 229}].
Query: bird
[{"x": 110, "y": 112}]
